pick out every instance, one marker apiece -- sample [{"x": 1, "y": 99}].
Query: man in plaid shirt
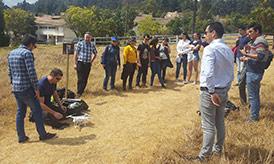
[
  {"x": 25, "y": 88},
  {"x": 84, "y": 56}
]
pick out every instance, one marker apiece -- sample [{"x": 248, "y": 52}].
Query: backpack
[
  {"x": 104, "y": 54},
  {"x": 268, "y": 59},
  {"x": 75, "y": 107}
]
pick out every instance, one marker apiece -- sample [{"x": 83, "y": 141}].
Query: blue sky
[{"x": 14, "y": 2}]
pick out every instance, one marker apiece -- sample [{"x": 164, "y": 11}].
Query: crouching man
[{"x": 47, "y": 87}]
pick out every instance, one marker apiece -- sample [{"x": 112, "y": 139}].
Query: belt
[{"x": 206, "y": 89}]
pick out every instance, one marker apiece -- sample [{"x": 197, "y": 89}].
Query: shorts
[
  {"x": 190, "y": 57},
  {"x": 196, "y": 56}
]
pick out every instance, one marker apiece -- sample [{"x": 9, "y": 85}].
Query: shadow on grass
[
  {"x": 251, "y": 154},
  {"x": 118, "y": 91},
  {"x": 72, "y": 141}
]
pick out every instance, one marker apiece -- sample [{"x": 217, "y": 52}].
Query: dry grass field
[{"x": 151, "y": 125}]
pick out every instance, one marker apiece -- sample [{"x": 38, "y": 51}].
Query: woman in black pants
[
  {"x": 164, "y": 51},
  {"x": 154, "y": 60}
]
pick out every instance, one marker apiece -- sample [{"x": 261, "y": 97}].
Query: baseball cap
[{"x": 114, "y": 39}]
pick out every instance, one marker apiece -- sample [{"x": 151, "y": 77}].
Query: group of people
[
  {"x": 149, "y": 53},
  {"x": 252, "y": 57},
  {"x": 217, "y": 73}
]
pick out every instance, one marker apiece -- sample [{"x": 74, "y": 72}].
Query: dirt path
[{"x": 126, "y": 128}]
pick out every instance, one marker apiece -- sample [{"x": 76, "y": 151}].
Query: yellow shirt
[{"x": 130, "y": 54}]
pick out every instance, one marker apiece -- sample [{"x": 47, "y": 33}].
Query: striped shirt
[
  {"x": 85, "y": 50},
  {"x": 21, "y": 69}
]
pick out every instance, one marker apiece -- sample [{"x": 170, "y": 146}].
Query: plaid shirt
[
  {"x": 85, "y": 50},
  {"x": 21, "y": 69}
]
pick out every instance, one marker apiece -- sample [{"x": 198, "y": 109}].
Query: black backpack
[{"x": 268, "y": 59}]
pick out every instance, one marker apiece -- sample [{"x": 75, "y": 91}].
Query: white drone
[{"x": 80, "y": 121}]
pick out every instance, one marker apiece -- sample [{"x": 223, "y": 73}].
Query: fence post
[{"x": 94, "y": 41}]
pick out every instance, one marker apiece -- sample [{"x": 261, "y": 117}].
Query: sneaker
[
  {"x": 105, "y": 89},
  {"x": 24, "y": 140},
  {"x": 197, "y": 159},
  {"x": 217, "y": 153},
  {"x": 48, "y": 136}
]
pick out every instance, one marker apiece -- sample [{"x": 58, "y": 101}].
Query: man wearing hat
[
  {"x": 24, "y": 83},
  {"x": 130, "y": 63},
  {"x": 110, "y": 60}
]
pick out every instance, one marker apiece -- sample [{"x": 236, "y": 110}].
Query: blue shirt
[
  {"x": 259, "y": 47},
  {"x": 217, "y": 66},
  {"x": 243, "y": 40},
  {"x": 21, "y": 69},
  {"x": 85, "y": 50},
  {"x": 46, "y": 90},
  {"x": 111, "y": 55}
]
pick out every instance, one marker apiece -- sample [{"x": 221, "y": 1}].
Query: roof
[{"x": 50, "y": 20}]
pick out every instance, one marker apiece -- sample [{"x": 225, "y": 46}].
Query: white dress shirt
[{"x": 217, "y": 66}]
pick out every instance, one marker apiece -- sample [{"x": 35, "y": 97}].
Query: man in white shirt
[{"x": 215, "y": 81}]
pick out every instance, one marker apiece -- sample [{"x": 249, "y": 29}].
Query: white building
[{"x": 52, "y": 29}]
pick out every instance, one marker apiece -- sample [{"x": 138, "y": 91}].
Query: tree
[
  {"x": 264, "y": 14},
  {"x": 100, "y": 22},
  {"x": 79, "y": 19},
  {"x": 19, "y": 22},
  {"x": 150, "y": 26},
  {"x": 4, "y": 39},
  {"x": 175, "y": 26},
  {"x": 2, "y": 23}
]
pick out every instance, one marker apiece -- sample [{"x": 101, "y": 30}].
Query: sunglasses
[
  {"x": 206, "y": 32},
  {"x": 58, "y": 78}
]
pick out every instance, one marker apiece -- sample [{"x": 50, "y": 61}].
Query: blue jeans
[
  {"x": 253, "y": 87},
  {"x": 110, "y": 71},
  {"x": 178, "y": 66},
  {"x": 156, "y": 69},
  {"x": 196, "y": 56},
  {"x": 24, "y": 99}
]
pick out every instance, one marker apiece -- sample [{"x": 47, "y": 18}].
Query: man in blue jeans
[
  {"x": 254, "y": 56},
  {"x": 110, "y": 61},
  {"x": 25, "y": 88}
]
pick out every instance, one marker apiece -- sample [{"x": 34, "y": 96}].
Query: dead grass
[{"x": 143, "y": 126}]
